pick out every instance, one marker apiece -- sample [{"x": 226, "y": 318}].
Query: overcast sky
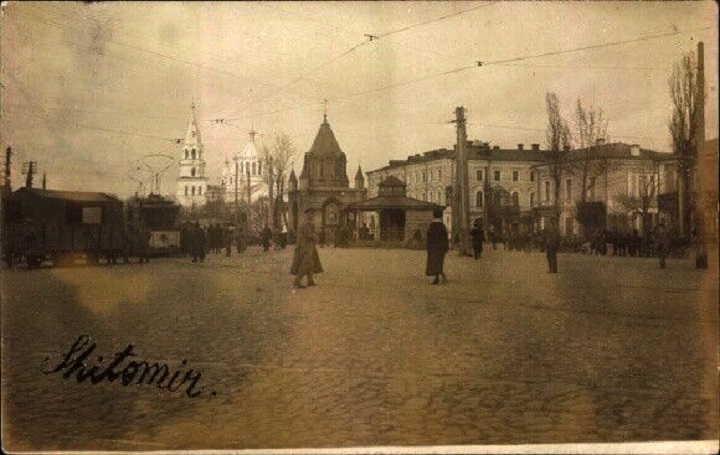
[{"x": 88, "y": 90}]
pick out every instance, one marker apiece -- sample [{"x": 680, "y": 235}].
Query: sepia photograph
[{"x": 278, "y": 227}]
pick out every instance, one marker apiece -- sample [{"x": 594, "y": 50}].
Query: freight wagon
[{"x": 60, "y": 226}]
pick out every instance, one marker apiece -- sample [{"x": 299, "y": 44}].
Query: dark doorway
[{"x": 392, "y": 225}]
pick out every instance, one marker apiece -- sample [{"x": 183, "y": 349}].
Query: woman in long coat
[
  {"x": 437, "y": 247},
  {"x": 306, "y": 260}
]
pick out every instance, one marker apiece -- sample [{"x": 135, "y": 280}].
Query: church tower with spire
[
  {"x": 323, "y": 184},
  {"x": 191, "y": 181}
]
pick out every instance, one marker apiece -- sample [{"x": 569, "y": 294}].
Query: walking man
[
  {"x": 306, "y": 260},
  {"x": 437, "y": 247},
  {"x": 144, "y": 235},
  {"x": 662, "y": 240},
  {"x": 552, "y": 244},
  {"x": 265, "y": 237},
  {"x": 478, "y": 237}
]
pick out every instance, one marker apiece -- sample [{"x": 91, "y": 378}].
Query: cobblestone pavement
[{"x": 609, "y": 350}]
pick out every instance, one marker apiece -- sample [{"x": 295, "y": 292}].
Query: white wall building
[
  {"x": 191, "y": 181},
  {"x": 247, "y": 177}
]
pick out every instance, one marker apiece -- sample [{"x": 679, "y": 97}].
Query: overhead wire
[{"x": 369, "y": 38}]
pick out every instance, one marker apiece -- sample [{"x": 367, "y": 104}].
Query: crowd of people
[
  {"x": 658, "y": 243},
  {"x": 197, "y": 241}
]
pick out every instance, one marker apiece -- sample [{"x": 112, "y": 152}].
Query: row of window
[
  {"x": 190, "y": 190},
  {"x": 497, "y": 175},
  {"x": 192, "y": 153},
  {"x": 422, "y": 177},
  {"x": 498, "y": 199}
]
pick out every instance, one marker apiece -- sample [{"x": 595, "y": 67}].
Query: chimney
[
  {"x": 600, "y": 141},
  {"x": 521, "y": 146},
  {"x": 536, "y": 147},
  {"x": 635, "y": 150}
]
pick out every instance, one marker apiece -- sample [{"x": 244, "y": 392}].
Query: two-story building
[
  {"x": 501, "y": 182},
  {"x": 513, "y": 188}
]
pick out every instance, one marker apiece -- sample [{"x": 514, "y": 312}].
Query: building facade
[
  {"x": 192, "y": 182},
  {"x": 501, "y": 181},
  {"x": 243, "y": 173},
  {"x": 323, "y": 184},
  {"x": 513, "y": 189}
]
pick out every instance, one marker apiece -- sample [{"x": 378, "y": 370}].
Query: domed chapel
[{"x": 324, "y": 185}]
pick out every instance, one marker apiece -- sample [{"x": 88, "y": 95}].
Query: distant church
[
  {"x": 323, "y": 184},
  {"x": 247, "y": 177},
  {"x": 192, "y": 182}
]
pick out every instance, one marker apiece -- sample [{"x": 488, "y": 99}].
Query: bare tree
[
  {"x": 268, "y": 160},
  {"x": 588, "y": 162},
  {"x": 558, "y": 141},
  {"x": 643, "y": 194},
  {"x": 277, "y": 160},
  {"x": 683, "y": 127}
]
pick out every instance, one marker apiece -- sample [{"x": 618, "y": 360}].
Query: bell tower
[{"x": 192, "y": 182}]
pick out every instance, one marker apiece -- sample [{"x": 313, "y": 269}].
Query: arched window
[
  {"x": 254, "y": 168},
  {"x": 187, "y": 154},
  {"x": 532, "y": 199},
  {"x": 260, "y": 168},
  {"x": 193, "y": 154},
  {"x": 193, "y": 190},
  {"x": 497, "y": 199},
  {"x": 200, "y": 191},
  {"x": 192, "y": 172},
  {"x": 479, "y": 199},
  {"x": 186, "y": 190},
  {"x": 516, "y": 199}
]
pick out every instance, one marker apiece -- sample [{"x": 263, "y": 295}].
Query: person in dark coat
[
  {"x": 552, "y": 245},
  {"x": 306, "y": 260},
  {"x": 127, "y": 243},
  {"x": 493, "y": 237},
  {"x": 228, "y": 238},
  {"x": 662, "y": 241},
  {"x": 143, "y": 239},
  {"x": 265, "y": 237},
  {"x": 437, "y": 247},
  {"x": 478, "y": 237},
  {"x": 197, "y": 243},
  {"x": 283, "y": 237}
]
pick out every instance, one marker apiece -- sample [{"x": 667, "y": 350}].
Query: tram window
[{"x": 92, "y": 215}]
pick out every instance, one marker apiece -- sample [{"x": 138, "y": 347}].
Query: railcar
[
  {"x": 60, "y": 226},
  {"x": 161, "y": 217}
]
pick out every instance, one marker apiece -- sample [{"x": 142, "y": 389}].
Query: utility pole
[
  {"x": 701, "y": 258},
  {"x": 7, "y": 187},
  {"x": 29, "y": 168},
  {"x": 461, "y": 205},
  {"x": 236, "y": 191}
]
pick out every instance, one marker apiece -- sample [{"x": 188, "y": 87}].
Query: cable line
[{"x": 420, "y": 24}]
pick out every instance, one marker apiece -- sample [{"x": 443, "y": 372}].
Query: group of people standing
[
  {"x": 437, "y": 246},
  {"x": 197, "y": 241}
]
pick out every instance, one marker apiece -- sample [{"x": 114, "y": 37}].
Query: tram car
[
  {"x": 60, "y": 226},
  {"x": 161, "y": 217}
]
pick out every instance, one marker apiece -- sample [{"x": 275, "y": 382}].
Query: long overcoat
[
  {"x": 306, "y": 259},
  {"x": 437, "y": 247}
]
